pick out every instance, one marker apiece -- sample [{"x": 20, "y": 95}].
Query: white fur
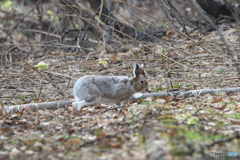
[{"x": 91, "y": 89}]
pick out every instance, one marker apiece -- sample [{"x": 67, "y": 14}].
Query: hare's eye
[{"x": 141, "y": 81}]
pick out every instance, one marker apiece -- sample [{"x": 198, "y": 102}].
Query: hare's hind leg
[
  {"x": 89, "y": 100},
  {"x": 88, "y": 97}
]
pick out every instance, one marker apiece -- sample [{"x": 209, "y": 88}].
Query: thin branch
[{"x": 35, "y": 69}]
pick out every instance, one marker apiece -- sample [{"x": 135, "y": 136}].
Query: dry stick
[
  {"x": 223, "y": 141},
  {"x": 117, "y": 22},
  {"x": 62, "y": 93},
  {"x": 179, "y": 13},
  {"x": 100, "y": 12},
  {"x": 173, "y": 14},
  {"x": 130, "y": 27},
  {"x": 68, "y": 5},
  {"x": 40, "y": 12},
  {"x": 175, "y": 62},
  {"x": 19, "y": 22},
  {"x": 15, "y": 93},
  {"x": 124, "y": 24},
  {"x": 85, "y": 32},
  {"x": 51, "y": 23},
  {"x": 112, "y": 109},
  {"x": 85, "y": 19},
  {"x": 173, "y": 28},
  {"x": 220, "y": 34},
  {"x": 89, "y": 21},
  {"x": 57, "y": 74},
  {"x": 166, "y": 24},
  {"x": 43, "y": 32},
  {"x": 156, "y": 59}
]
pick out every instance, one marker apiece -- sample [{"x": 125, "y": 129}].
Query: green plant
[
  {"x": 214, "y": 82},
  {"x": 99, "y": 131},
  {"x": 41, "y": 66},
  {"x": 176, "y": 85},
  {"x": 6, "y": 6},
  {"x": 52, "y": 16},
  {"x": 14, "y": 141},
  {"x": 65, "y": 137},
  {"x": 192, "y": 120},
  {"x": 222, "y": 69},
  {"x": 104, "y": 63},
  {"x": 146, "y": 27}
]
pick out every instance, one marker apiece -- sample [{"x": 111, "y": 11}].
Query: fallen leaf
[
  {"x": 101, "y": 135},
  {"x": 169, "y": 33},
  {"x": 234, "y": 121},
  {"x": 6, "y": 130},
  {"x": 193, "y": 34},
  {"x": 73, "y": 141},
  {"x": 216, "y": 100},
  {"x": 114, "y": 145},
  {"x": 201, "y": 50}
]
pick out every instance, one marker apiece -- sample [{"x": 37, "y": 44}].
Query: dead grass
[{"x": 152, "y": 128}]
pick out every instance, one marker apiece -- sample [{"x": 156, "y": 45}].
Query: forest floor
[{"x": 151, "y": 128}]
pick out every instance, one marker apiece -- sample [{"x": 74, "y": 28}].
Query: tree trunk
[{"x": 215, "y": 8}]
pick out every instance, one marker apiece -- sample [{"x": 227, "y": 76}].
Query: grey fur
[{"x": 91, "y": 89}]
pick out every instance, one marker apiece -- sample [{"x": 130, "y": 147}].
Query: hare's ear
[{"x": 137, "y": 70}]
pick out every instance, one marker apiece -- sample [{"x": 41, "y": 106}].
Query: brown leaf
[
  {"x": 169, "y": 33},
  {"x": 200, "y": 50},
  {"x": 49, "y": 52},
  {"x": 234, "y": 121},
  {"x": 146, "y": 49},
  {"x": 219, "y": 106},
  {"x": 9, "y": 122},
  {"x": 22, "y": 122},
  {"x": 216, "y": 100},
  {"x": 21, "y": 112},
  {"x": 223, "y": 106},
  {"x": 193, "y": 34},
  {"x": 115, "y": 116},
  {"x": 106, "y": 54},
  {"x": 165, "y": 97},
  {"x": 4, "y": 111},
  {"x": 235, "y": 107},
  {"x": 73, "y": 142},
  {"x": 101, "y": 135},
  {"x": 114, "y": 145},
  {"x": 6, "y": 130},
  {"x": 41, "y": 100},
  {"x": 123, "y": 123},
  {"x": 125, "y": 112},
  {"x": 98, "y": 106}
]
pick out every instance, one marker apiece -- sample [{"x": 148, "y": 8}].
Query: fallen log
[
  {"x": 184, "y": 94},
  {"x": 54, "y": 105}
]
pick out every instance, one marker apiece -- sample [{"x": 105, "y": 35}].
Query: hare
[{"x": 91, "y": 89}]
